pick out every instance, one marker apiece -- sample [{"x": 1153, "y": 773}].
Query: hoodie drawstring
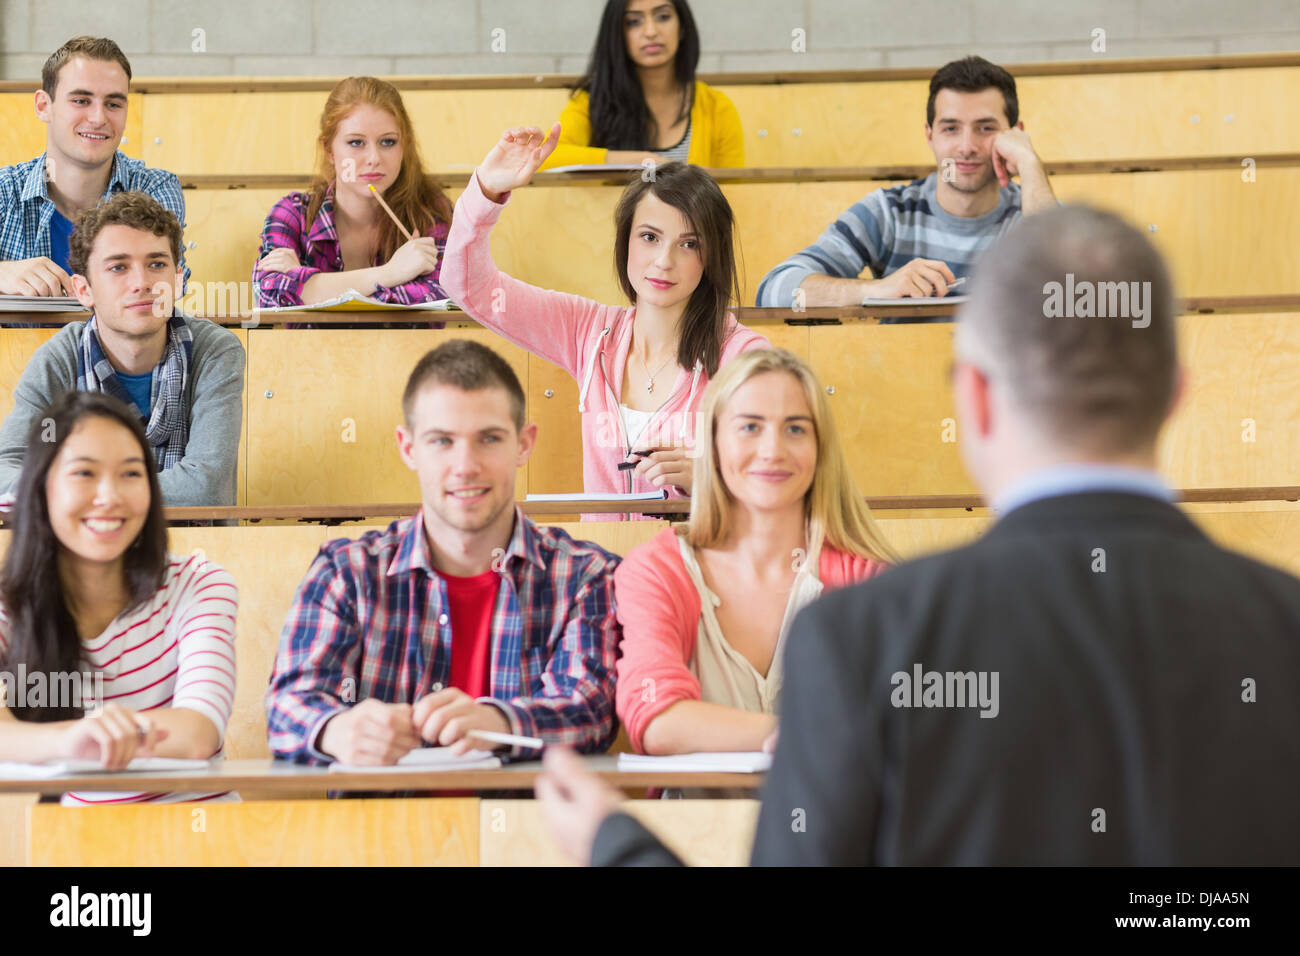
[{"x": 591, "y": 368}]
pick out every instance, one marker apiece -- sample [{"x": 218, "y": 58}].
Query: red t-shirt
[{"x": 470, "y": 604}]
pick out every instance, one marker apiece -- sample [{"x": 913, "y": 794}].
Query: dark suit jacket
[{"x": 1121, "y": 735}]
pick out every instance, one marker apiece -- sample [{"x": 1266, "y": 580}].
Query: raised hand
[{"x": 513, "y": 160}]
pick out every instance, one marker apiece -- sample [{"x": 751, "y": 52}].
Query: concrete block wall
[{"x": 333, "y": 37}]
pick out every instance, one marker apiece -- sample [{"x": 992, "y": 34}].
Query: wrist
[{"x": 490, "y": 194}]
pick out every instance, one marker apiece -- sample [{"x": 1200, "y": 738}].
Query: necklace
[{"x": 650, "y": 379}]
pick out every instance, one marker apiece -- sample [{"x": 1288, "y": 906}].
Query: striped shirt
[
  {"x": 887, "y": 229},
  {"x": 681, "y": 150},
  {"x": 175, "y": 650},
  {"x": 316, "y": 244},
  {"x": 26, "y": 207},
  {"x": 372, "y": 619}
]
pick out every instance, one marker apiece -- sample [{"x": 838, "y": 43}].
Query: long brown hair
[
  {"x": 833, "y": 505},
  {"x": 414, "y": 196},
  {"x": 697, "y": 196}
]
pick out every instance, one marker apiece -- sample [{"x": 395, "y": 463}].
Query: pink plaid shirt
[{"x": 317, "y": 247}]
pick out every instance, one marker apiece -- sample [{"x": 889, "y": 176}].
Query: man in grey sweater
[{"x": 184, "y": 375}]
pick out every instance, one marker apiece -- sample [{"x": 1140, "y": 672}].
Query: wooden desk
[{"x": 251, "y": 777}]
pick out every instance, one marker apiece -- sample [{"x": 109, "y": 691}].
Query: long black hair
[
  {"x": 697, "y": 196},
  {"x": 620, "y": 118},
  {"x": 42, "y": 633}
]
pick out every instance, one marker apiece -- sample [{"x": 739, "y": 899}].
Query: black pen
[{"x": 629, "y": 465}]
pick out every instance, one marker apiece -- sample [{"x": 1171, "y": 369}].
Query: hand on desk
[
  {"x": 114, "y": 737},
  {"x": 574, "y": 802},
  {"x": 445, "y": 717},
  {"x": 36, "y": 276},
  {"x": 280, "y": 259},
  {"x": 371, "y": 734}
]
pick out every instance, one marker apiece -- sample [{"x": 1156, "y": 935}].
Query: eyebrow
[
  {"x": 662, "y": 6},
  {"x": 441, "y": 432},
  {"x": 120, "y": 256},
  {"x": 763, "y": 418},
  {"x": 95, "y": 461},
  {"x": 107, "y": 96},
  {"x": 380, "y": 136},
  {"x": 982, "y": 119},
  {"x": 659, "y": 232}
]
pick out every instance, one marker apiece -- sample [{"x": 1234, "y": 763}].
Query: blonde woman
[{"x": 776, "y": 519}]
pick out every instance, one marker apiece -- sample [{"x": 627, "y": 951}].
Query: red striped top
[{"x": 177, "y": 649}]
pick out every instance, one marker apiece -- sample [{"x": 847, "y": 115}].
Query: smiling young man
[
  {"x": 184, "y": 375},
  {"x": 919, "y": 238},
  {"x": 83, "y": 102},
  {"x": 466, "y": 616}
]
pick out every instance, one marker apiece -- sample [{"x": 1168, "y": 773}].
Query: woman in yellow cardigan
[{"x": 639, "y": 98}]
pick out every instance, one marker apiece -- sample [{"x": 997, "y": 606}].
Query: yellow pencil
[{"x": 391, "y": 214}]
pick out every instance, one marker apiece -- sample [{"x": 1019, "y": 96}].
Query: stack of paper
[
  {"x": 597, "y": 168},
  {"x": 75, "y": 768},
  {"x": 426, "y": 760},
  {"x": 920, "y": 300},
  {"x": 40, "y": 303},
  {"x": 353, "y": 301},
  {"x": 587, "y": 496},
  {"x": 727, "y": 762}
]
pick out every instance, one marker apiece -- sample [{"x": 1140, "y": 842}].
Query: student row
[
  {"x": 552, "y": 635},
  {"x": 914, "y": 239}
]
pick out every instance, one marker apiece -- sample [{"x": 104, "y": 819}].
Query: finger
[
  {"x": 553, "y": 140},
  {"x": 39, "y": 283},
  {"x": 64, "y": 280},
  {"x": 935, "y": 279},
  {"x": 942, "y": 268},
  {"x": 999, "y": 167}
]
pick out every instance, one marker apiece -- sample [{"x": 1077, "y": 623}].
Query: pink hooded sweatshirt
[
  {"x": 659, "y": 610},
  {"x": 588, "y": 340}
]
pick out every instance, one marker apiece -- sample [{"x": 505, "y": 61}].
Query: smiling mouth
[
  {"x": 104, "y": 525},
  {"x": 468, "y": 494},
  {"x": 660, "y": 283},
  {"x": 94, "y": 137}
]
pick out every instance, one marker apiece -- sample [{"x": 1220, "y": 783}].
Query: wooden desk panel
[{"x": 412, "y": 832}]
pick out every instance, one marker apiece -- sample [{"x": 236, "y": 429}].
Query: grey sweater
[{"x": 214, "y": 394}]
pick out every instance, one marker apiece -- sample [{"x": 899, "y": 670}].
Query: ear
[
  {"x": 43, "y": 103},
  {"x": 1020, "y": 125},
  {"x": 405, "y": 444},
  {"x": 929, "y": 136},
  {"x": 974, "y": 401},
  {"x": 81, "y": 289},
  {"x": 1181, "y": 377},
  {"x": 527, "y": 442}
]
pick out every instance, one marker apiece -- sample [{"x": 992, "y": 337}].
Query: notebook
[
  {"x": 726, "y": 762},
  {"x": 922, "y": 300},
  {"x": 428, "y": 759},
  {"x": 73, "y": 768},
  {"x": 40, "y": 303},
  {"x": 660, "y": 495},
  {"x": 596, "y": 168},
  {"x": 353, "y": 301}
]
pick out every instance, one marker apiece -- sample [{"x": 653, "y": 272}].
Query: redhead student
[
  {"x": 640, "y": 100},
  {"x": 641, "y": 371},
  {"x": 319, "y": 244},
  {"x": 776, "y": 520},
  {"x": 137, "y": 645}
]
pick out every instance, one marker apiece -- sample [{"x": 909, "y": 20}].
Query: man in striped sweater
[{"x": 918, "y": 239}]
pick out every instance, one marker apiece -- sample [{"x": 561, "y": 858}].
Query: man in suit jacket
[{"x": 1093, "y": 681}]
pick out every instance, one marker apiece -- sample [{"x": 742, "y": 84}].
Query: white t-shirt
[
  {"x": 634, "y": 423},
  {"x": 175, "y": 650}
]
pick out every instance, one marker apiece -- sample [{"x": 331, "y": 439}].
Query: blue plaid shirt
[
  {"x": 371, "y": 619},
  {"x": 26, "y": 207}
]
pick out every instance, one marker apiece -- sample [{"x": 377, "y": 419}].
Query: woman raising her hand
[{"x": 641, "y": 369}]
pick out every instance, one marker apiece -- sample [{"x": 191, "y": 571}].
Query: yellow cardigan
[{"x": 716, "y": 138}]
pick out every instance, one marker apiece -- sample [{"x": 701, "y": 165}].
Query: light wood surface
[
  {"x": 1241, "y": 242},
  {"x": 255, "y": 776},
  {"x": 326, "y": 433},
  {"x": 700, "y": 832},
  {"x": 412, "y": 832}
]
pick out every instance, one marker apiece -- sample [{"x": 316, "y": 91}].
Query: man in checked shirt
[{"x": 465, "y": 616}]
